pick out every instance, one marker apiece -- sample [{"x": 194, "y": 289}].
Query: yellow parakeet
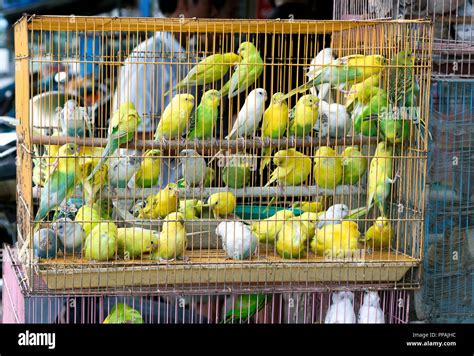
[
  {"x": 175, "y": 119},
  {"x": 362, "y": 91},
  {"x": 293, "y": 168},
  {"x": 161, "y": 204},
  {"x": 307, "y": 221},
  {"x": 336, "y": 240},
  {"x": 100, "y": 244},
  {"x": 291, "y": 240},
  {"x": 380, "y": 235},
  {"x": 309, "y": 206},
  {"x": 275, "y": 122},
  {"x": 327, "y": 168},
  {"x": 267, "y": 229},
  {"x": 304, "y": 116},
  {"x": 92, "y": 186},
  {"x": 135, "y": 241},
  {"x": 172, "y": 239},
  {"x": 148, "y": 174},
  {"x": 222, "y": 203},
  {"x": 88, "y": 218}
]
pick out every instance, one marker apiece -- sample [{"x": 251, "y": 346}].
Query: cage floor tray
[{"x": 211, "y": 267}]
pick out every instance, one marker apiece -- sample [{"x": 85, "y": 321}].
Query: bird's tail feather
[{"x": 266, "y": 154}]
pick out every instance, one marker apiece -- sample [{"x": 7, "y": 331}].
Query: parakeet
[
  {"x": 274, "y": 125},
  {"x": 293, "y": 168},
  {"x": 175, "y": 119},
  {"x": 354, "y": 165},
  {"x": 291, "y": 240},
  {"x": 334, "y": 121},
  {"x": 123, "y": 165},
  {"x": 74, "y": 120},
  {"x": 378, "y": 181},
  {"x": 88, "y": 218},
  {"x": 238, "y": 240},
  {"x": 336, "y": 240},
  {"x": 266, "y": 230},
  {"x": 207, "y": 71},
  {"x": 246, "y": 72},
  {"x": 45, "y": 244},
  {"x": 123, "y": 314},
  {"x": 250, "y": 115},
  {"x": 363, "y": 119},
  {"x": 343, "y": 71},
  {"x": 92, "y": 186},
  {"x": 71, "y": 235},
  {"x": 62, "y": 181},
  {"x": 323, "y": 58},
  {"x": 363, "y": 91},
  {"x": 148, "y": 174},
  {"x": 341, "y": 310},
  {"x": 203, "y": 121},
  {"x": 402, "y": 87},
  {"x": 237, "y": 174},
  {"x": 245, "y": 307},
  {"x": 161, "y": 204},
  {"x": 307, "y": 221},
  {"x": 327, "y": 170},
  {"x": 172, "y": 240},
  {"x": 193, "y": 166},
  {"x": 394, "y": 127},
  {"x": 189, "y": 208},
  {"x": 380, "y": 235},
  {"x": 309, "y": 207},
  {"x": 304, "y": 116},
  {"x": 122, "y": 127},
  {"x": 370, "y": 311},
  {"x": 210, "y": 177},
  {"x": 101, "y": 242},
  {"x": 134, "y": 242},
  {"x": 333, "y": 215},
  {"x": 222, "y": 203}
]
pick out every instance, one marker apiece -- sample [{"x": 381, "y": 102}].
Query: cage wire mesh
[
  {"x": 448, "y": 287},
  {"x": 22, "y": 306},
  {"x": 453, "y": 42},
  {"x": 138, "y": 174}
]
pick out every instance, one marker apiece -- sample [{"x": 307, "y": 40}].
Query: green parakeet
[
  {"x": 245, "y": 307},
  {"x": 174, "y": 120},
  {"x": 237, "y": 175},
  {"x": 354, "y": 164},
  {"x": 122, "y": 127},
  {"x": 209, "y": 70},
  {"x": 402, "y": 86},
  {"x": 203, "y": 122},
  {"x": 343, "y": 71},
  {"x": 60, "y": 184},
  {"x": 363, "y": 119},
  {"x": 246, "y": 72},
  {"x": 123, "y": 314},
  {"x": 100, "y": 245},
  {"x": 395, "y": 129}
]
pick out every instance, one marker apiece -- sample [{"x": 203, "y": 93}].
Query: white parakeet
[
  {"x": 341, "y": 310},
  {"x": 323, "y": 58},
  {"x": 333, "y": 120},
  {"x": 74, "y": 120},
  {"x": 238, "y": 241},
  {"x": 333, "y": 215},
  {"x": 370, "y": 311},
  {"x": 250, "y": 114}
]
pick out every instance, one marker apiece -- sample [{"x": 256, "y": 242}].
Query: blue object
[
  {"x": 90, "y": 54},
  {"x": 256, "y": 212},
  {"x": 45, "y": 243}
]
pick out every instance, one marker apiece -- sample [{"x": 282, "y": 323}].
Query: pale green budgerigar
[
  {"x": 123, "y": 314},
  {"x": 100, "y": 244}
]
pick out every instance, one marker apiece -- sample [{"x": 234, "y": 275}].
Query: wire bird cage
[
  {"x": 22, "y": 306},
  {"x": 453, "y": 41},
  {"x": 448, "y": 292},
  {"x": 214, "y": 218}
]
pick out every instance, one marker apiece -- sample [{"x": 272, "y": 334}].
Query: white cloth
[{"x": 150, "y": 70}]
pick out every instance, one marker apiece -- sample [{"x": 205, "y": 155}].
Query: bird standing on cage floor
[
  {"x": 341, "y": 310},
  {"x": 238, "y": 240},
  {"x": 370, "y": 311}
]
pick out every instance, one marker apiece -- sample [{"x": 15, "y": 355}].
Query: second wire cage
[{"x": 202, "y": 155}]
